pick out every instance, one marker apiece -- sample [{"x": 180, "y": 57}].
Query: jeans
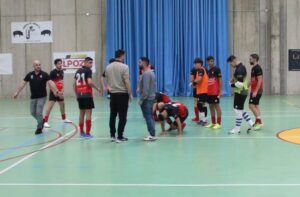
[
  {"x": 36, "y": 110},
  {"x": 118, "y": 106},
  {"x": 147, "y": 113}
]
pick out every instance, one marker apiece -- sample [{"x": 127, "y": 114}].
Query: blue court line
[{"x": 27, "y": 142}]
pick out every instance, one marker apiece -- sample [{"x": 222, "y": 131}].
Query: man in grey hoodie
[{"x": 147, "y": 91}]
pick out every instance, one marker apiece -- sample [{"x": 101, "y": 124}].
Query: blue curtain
[{"x": 171, "y": 33}]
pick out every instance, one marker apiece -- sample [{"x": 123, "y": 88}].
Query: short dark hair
[
  {"x": 88, "y": 59},
  {"x": 198, "y": 60},
  {"x": 255, "y": 56},
  {"x": 210, "y": 58},
  {"x": 145, "y": 59},
  {"x": 119, "y": 53},
  {"x": 111, "y": 60},
  {"x": 57, "y": 60},
  {"x": 231, "y": 58}
]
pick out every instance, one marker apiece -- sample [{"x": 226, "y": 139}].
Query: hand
[
  {"x": 59, "y": 94},
  {"x": 15, "y": 95},
  {"x": 130, "y": 98},
  {"x": 163, "y": 133},
  {"x": 254, "y": 94},
  {"x": 220, "y": 94},
  {"x": 140, "y": 102}
]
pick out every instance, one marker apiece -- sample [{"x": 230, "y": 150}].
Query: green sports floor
[{"x": 203, "y": 162}]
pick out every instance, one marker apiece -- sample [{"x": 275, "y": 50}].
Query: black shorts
[
  {"x": 195, "y": 93},
  {"x": 213, "y": 99},
  {"x": 54, "y": 98},
  {"x": 202, "y": 98},
  {"x": 239, "y": 101},
  {"x": 86, "y": 103},
  {"x": 255, "y": 100}
]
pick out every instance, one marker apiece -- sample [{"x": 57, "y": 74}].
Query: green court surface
[{"x": 201, "y": 163}]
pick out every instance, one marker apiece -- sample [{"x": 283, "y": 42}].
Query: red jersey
[
  {"x": 83, "y": 90},
  {"x": 161, "y": 97},
  {"x": 176, "y": 109},
  {"x": 57, "y": 76},
  {"x": 255, "y": 72},
  {"x": 214, "y": 74}
]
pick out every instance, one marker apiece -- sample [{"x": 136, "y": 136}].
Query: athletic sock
[
  {"x": 213, "y": 119},
  {"x": 63, "y": 116},
  {"x": 248, "y": 119},
  {"x": 205, "y": 111},
  {"x": 196, "y": 110},
  {"x": 46, "y": 118},
  {"x": 238, "y": 123},
  {"x": 81, "y": 127},
  {"x": 88, "y": 125},
  {"x": 219, "y": 120},
  {"x": 202, "y": 116}
]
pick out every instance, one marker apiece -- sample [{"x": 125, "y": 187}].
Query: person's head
[
  {"x": 160, "y": 106},
  {"x": 37, "y": 65},
  {"x": 58, "y": 64},
  {"x": 232, "y": 60},
  {"x": 198, "y": 63},
  {"x": 210, "y": 61},
  {"x": 120, "y": 54},
  {"x": 144, "y": 62},
  {"x": 163, "y": 115},
  {"x": 88, "y": 62},
  {"x": 111, "y": 60},
  {"x": 254, "y": 58}
]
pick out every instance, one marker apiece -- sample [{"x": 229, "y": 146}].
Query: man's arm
[
  {"x": 20, "y": 88},
  {"x": 53, "y": 88},
  {"x": 92, "y": 85},
  {"x": 220, "y": 86},
  {"x": 259, "y": 82},
  {"x": 145, "y": 86},
  {"x": 179, "y": 126}
]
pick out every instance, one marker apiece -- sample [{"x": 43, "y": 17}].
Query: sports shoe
[
  {"x": 112, "y": 138},
  {"x": 195, "y": 119},
  {"x": 257, "y": 127},
  {"x": 150, "y": 138},
  {"x": 250, "y": 128},
  {"x": 88, "y": 136},
  {"x": 210, "y": 125},
  {"x": 46, "y": 125},
  {"x": 202, "y": 123},
  {"x": 82, "y": 134},
  {"x": 217, "y": 126},
  {"x": 234, "y": 131},
  {"x": 121, "y": 139},
  {"x": 67, "y": 121},
  {"x": 38, "y": 131}
]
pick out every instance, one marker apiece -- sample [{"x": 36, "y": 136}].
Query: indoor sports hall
[{"x": 149, "y": 98}]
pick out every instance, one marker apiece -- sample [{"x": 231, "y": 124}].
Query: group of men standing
[{"x": 207, "y": 88}]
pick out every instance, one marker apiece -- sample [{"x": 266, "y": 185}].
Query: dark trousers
[{"x": 118, "y": 107}]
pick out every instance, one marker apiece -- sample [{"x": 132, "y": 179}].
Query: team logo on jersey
[
  {"x": 41, "y": 76},
  {"x": 31, "y": 77}
]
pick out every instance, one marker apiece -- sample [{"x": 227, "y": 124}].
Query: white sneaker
[
  {"x": 234, "y": 131},
  {"x": 67, "y": 121},
  {"x": 46, "y": 125},
  {"x": 150, "y": 138}
]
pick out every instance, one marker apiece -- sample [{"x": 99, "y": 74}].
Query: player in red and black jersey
[
  {"x": 214, "y": 93},
  {"x": 159, "y": 98},
  {"x": 57, "y": 76},
  {"x": 83, "y": 88},
  {"x": 178, "y": 112},
  {"x": 256, "y": 86},
  {"x": 193, "y": 75}
]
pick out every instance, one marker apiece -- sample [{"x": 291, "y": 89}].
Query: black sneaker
[
  {"x": 38, "y": 131},
  {"x": 121, "y": 139}
]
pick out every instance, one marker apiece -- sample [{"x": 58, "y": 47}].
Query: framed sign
[
  {"x": 31, "y": 32},
  {"x": 74, "y": 60},
  {"x": 294, "y": 60}
]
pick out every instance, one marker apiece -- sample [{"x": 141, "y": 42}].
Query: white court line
[
  {"x": 153, "y": 185},
  {"x": 34, "y": 153}
]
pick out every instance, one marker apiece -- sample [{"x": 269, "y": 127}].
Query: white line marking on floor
[
  {"x": 32, "y": 154},
  {"x": 152, "y": 185}
]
